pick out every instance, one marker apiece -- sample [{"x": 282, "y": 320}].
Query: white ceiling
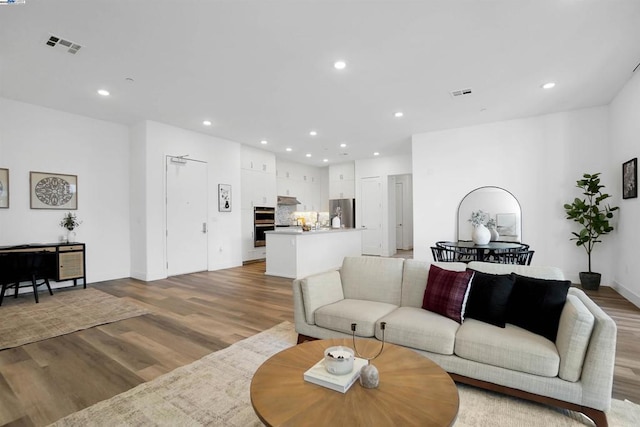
[{"x": 263, "y": 69}]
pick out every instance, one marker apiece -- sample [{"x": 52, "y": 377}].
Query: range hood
[{"x": 288, "y": 201}]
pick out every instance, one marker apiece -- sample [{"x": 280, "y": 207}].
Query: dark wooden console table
[{"x": 68, "y": 259}]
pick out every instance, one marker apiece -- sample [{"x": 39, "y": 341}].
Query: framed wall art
[
  {"x": 224, "y": 197},
  {"x": 53, "y": 191},
  {"x": 4, "y": 188},
  {"x": 630, "y": 179}
]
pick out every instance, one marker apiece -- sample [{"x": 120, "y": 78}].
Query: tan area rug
[
  {"x": 215, "y": 391},
  {"x": 22, "y": 321}
]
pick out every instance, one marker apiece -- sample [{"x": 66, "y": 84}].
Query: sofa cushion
[
  {"x": 421, "y": 329},
  {"x": 340, "y": 315},
  {"x": 447, "y": 292},
  {"x": 574, "y": 334},
  {"x": 511, "y": 348},
  {"x": 319, "y": 290},
  {"x": 414, "y": 279},
  {"x": 536, "y": 304},
  {"x": 488, "y": 297},
  {"x": 372, "y": 278}
]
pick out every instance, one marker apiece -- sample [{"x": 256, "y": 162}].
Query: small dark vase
[{"x": 590, "y": 281}]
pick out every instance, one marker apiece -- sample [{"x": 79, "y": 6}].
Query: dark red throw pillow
[{"x": 446, "y": 292}]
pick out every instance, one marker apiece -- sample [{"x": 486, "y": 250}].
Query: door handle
[{"x": 204, "y": 227}]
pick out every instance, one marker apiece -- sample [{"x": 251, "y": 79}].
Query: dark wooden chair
[{"x": 32, "y": 267}]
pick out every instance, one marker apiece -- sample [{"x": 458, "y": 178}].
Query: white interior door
[
  {"x": 399, "y": 216},
  {"x": 187, "y": 212},
  {"x": 371, "y": 214}
]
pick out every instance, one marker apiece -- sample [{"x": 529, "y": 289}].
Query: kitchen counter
[
  {"x": 298, "y": 230},
  {"x": 295, "y": 254}
]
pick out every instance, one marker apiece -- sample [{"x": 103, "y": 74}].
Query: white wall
[
  {"x": 383, "y": 168},
  {"x": 625, "y": 142},
  {"x": 34, "y": 138},
  {"x": 537, "y": 159},
  {"x": 156, "y": 141}
]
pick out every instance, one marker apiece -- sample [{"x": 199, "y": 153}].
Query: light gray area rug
[
  {"x": 215, "y": 391},
  {"x": 22, "y": 321}
]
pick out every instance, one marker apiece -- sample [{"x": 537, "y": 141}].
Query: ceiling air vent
[
  {"x": 460, "y": 92},
  {"x": 69, "y": 46}
]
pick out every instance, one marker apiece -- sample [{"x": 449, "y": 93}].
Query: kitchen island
[{"x": 296, "y": 254}]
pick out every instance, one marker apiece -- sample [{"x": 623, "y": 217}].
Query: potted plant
[
  {"x": 70, "y": 222},
  {"x": 593, "y": 215}
]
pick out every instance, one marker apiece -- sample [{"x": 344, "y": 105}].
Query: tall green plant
[{"x": 589, "y": 213}]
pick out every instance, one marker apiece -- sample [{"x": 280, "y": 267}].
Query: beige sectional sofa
[{"x": 575, "y": 371}]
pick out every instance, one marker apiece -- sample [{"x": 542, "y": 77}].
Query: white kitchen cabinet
[
  {"x": 342, "y": 184},
  {"x": 258, "y": 189},
  {"x": 300, "y": 181},
  {"x": 342, "y": 172},
  {"x": 258, "y": 160}
]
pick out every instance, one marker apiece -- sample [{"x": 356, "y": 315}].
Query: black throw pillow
[
  {"x": 536, "y": 304},
  {"x": 489, "y": 297}
]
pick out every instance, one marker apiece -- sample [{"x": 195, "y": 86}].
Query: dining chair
[
  {"x": 443, "y": 254},
  {"x": 516, "y": 257}
]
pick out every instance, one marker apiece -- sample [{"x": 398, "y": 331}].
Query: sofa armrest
[
  {"x": 314, "y": 292},
  {"x": 599, "y": 362},
  {"x": 574, "y": 334}
]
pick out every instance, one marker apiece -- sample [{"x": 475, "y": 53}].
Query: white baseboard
[{"x": 628, "y": 294}]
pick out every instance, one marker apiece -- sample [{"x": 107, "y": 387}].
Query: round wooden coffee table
[{"x": 413, "y": 390}]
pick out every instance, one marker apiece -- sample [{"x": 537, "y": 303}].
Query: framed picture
[
  {"x": 506, "y": 224},
  {"x": 4, "y": 188},
  {"x": 630, "y": 179},
  {"x": 53, "y": 191},
  {"x": 224, "y": 197}
]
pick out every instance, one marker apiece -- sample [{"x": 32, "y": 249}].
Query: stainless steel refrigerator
[{"x": 345, "y": 209}]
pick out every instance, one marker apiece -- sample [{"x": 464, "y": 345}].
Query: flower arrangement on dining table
[{"x": 480, "y": 217}]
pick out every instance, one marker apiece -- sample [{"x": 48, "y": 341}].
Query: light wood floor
[{"x": 191, "y": 316}]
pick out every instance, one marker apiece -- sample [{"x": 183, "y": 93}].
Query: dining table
[{"x": 482, "y": 252}]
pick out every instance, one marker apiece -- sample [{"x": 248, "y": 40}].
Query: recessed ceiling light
[
  {"x": 264, "y": 142},
  {"x": 103, "y": 92},
  {"x": 339, "y": 65},
  {"x": 343, "y": 145},
  {"x": 548, "y": 85},
  {"x": 207, "y": 122},
  {"x": 398, "y": 114},
  {"x": 325, "y": 160},
  {"x": 313, "y": 133},
  {"x": 376, "y": 154},
  {"x": 289, "y": 149},
  {"x": 308, "y": 155}
]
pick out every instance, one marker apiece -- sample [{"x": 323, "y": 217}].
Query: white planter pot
[{"x": 481, "y": 235}]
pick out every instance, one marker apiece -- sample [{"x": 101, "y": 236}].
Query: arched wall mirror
[{"x": 500, "y": 204}]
